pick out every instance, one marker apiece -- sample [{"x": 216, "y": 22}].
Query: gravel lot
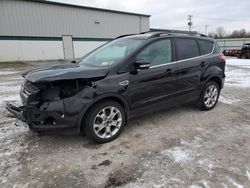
[{"x": 178, "y": 147}]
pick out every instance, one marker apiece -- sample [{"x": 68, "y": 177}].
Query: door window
[
  {"x": 186, "y": 48},
  {"x": 157, "y": 53},
  {"x": 206, "y": 47}
]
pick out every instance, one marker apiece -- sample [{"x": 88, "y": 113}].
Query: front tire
[
  {"x": 105, "y": 121},
  {"x": 209, "y": 96}
]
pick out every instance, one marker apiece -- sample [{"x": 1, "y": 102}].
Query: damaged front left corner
[{"x": 48, "y": 105}]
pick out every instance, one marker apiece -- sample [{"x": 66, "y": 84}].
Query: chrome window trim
[{"x": 170, "y": 63}]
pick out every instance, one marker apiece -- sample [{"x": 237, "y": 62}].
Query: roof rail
[
  {"x": 154, "y": 33},
  {"x": 157, "y": 34},
  {"x": 170, "y": 31},
  {"x": 202, "y": 35},
  {"x": 121, "y": 36}
]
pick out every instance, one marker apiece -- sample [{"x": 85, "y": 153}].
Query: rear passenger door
[{"x": 190, "y": 65}]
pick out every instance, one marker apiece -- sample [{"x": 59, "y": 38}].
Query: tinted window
[
  {"x": 206, "y": 47},
  {"x": 186, "y": 48},
  {"x": 246, "y": 46},
  {"x": 217, "y": 48},
  {"x": 157, "y": 53}
]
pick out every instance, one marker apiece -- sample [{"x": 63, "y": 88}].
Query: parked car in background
[
  {"x": 127, "y": 77},
  {"x": 230, "y": 52},
  {"x": 245, "y": 51}
]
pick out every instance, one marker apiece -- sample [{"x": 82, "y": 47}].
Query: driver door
[{"x": 157, "y": 84}]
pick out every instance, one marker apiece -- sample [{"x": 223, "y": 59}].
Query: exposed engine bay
[{"x": 53, "y": 96}]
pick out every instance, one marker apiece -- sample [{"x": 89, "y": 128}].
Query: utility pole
[
  {"x": 190, "y": 23},
  {"x": 206, "y": 29}
]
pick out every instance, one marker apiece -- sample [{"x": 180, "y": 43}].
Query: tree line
[{"x": 220, "y": 32}]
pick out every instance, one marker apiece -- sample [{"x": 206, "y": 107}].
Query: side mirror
[{"x": 142, "y": 64}]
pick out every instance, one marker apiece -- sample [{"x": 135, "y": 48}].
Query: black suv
[
  {"x": 245, "y": 51},
  {"x": 127, "y": 77}
]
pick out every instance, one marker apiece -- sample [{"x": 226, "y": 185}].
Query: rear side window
[
  {"x": 206, "y": 47},
  {"x": 216, "y": 48},
  {"x": 186, "y": 48}
]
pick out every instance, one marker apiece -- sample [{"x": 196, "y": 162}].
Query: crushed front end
[{"x": 52, "y": 105}]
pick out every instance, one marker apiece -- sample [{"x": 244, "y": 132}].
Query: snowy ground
[{"x": 179, "y": 147}]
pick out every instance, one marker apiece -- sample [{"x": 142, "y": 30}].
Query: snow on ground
[
  {"x": 237, "y": 76},
  {"x": 238, "y": 73},
  {"x": 9, "y": 88},
  {"x": 234, "y": 183},
  {"x": 228, "y": 100},
  {"x": 8, "y": 71},
  {"x": 10, "y": 84},
  {"x": 177, "y": 154},
  {"x": 11, "y": 98},
  {"x": 9, "y": 93},
  {"x": 238, "y": 62},
  {"x": 12, "y": 148}
]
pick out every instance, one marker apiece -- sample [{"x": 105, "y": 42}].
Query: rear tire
[
  {"x": 209, "y": 96},
  {"x": 105, "y": 121}
]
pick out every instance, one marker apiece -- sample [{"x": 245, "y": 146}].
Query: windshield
[{"x": 112, "y": 52}]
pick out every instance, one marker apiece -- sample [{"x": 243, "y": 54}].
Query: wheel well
[
  {"x": 217, "y": 80},
  {"x": 116, "y": 99}
]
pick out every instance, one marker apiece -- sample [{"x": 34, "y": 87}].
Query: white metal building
[
  {"x": 42, "y": 30},
  {"x": 232, "y": 43}
]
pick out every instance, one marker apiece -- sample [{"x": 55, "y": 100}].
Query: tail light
[{"x": 222, "y": 59}]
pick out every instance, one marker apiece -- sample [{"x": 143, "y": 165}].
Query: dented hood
[{"x": 65, "y": 71}]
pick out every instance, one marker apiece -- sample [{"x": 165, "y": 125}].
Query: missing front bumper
[
  {"x": 18, "y": 112},
  {"x": 45, "y": 127}
]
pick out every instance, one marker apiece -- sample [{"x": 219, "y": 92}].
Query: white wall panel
[
  {"x": 232, "y": 43},
  {"x": 17, "y": 50},
  {"x": 83, "y": 47}
]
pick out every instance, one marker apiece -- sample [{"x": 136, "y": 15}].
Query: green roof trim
[
  {"x": 86, "y": 7},
  {"x": 52, "y": 38},
  {"x": 168, "y": 30},
  {"x": 92, "y": 39}
]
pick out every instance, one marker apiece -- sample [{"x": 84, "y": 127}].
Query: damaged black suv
[{"x": 127, "y": 77}]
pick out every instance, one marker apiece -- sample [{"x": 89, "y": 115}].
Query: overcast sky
[{"x": 172, "y": 14}]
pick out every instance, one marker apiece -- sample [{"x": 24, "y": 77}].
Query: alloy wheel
[
  {"x": 107, "y": 122},
  {"x": 211, "y": 95}
]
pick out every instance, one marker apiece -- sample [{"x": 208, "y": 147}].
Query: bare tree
[
  {"x": 235, "y": 34},
  {"x": 239, "y": 34},
  {"x": 243, "y": 33},
  {"x": 212, "y": 34},
  {"x": 220, "y": 31}
]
